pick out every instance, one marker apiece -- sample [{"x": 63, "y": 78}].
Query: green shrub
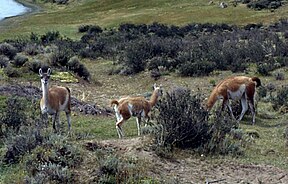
[
  {"x": 34, "y": 66},
  {"x": 51, "y": 173},
  {"x": 79, "y": 68},
  {"x": 24, "y": 141},
  {"x": 265, "y": 68},
  {"x": 73, "y": 63},
  {"x": 50, "y": 36},
  {"x": 264, "y": 4},
  {"x": 155, "y": 62},
  {"x": 59, "y": 57},
  {"x": 4, "y": 61},
  {"x": 94, "y": 29},
  {"x": 11, "y": 72},
  {"x": 22, "y": 134},
  {"x": 61, "y": 1},
  {"x": 198, "y": 68},
  {"x": 182, "y": 122},
  {"x": 83, "y": 28},
  {"x": 113, "y": 169},
  {"x": 32, "y": 49},
  {"x": 8, "y": 50},
  {"x": 13, "y": 115},
  {"x": 280, "y": 76},
  {"x": 281, "y": 99},
  {"x": 53, "y": 160},
  {"x": 262, "y": 91},
  {"x": 225, "y": 139},
  {"x": 19, "y": 60}
]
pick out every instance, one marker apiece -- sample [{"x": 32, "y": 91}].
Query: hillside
[
  {"x": 109, "y": 14},
  {"x": 107, "y": 49}
]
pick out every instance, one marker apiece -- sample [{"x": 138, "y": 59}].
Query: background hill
[
  {"x": 109, "y": 14},
  {"x": 104, "y": 50}
]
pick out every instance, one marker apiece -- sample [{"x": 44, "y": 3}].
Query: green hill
[
  {"x": 111, "y": 13},
  {"x": 195, "y": 57}
]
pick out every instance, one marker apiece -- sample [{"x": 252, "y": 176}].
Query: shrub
[
  {"x": 31, "y": 49},
  {"x": 59, "y": 57},
  {"x": 264, "y": 4},
  {"x": 50, "y": 36},
  {"x": 61, "y": 1},
  {"x": 281, "y": 99},
  {"x": 83, "y": 28},
  {"x": 83, "y": 72},
  {"x": 13, "y": 115},
  {"x": 262, "y": 91},
  {"x": 94, "y": 29},
  {"x": 25, "y": 141},
  {"x": 155, "y": 62},
  {"x": 22, "y": 134},
  {"x": 34, "y": 66},
  {"x": 79, "y": 68},
  {"x": 280, "y": 76},
  {"x": 223, "y": 140},
  {"x": 73, "y": 63},
  {"x": 4, "y": 61},
  {"x": 19, "y": 60},
  {"x": 8, "y": 50},
  {"x": 11, "y": 72},
  {"x": 50, "y": 172},
  {"x": 182, "y": 121},
  {"x": 265, "y": 68},
  {"x": 115, "y": 170},
  {"x": 197, "y": 68},
  {"x": 54, "y": 160}
]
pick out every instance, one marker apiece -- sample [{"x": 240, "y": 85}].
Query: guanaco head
[
  {"x": 45, "y": 76},
  {"x": 158, "y": 89}
]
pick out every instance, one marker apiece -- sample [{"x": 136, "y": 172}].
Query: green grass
[
  {"x": 111, "y": 13},
  {"x": 269, "y": 148}
]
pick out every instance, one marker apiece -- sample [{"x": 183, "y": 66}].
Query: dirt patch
[
  {"x": 34, "y": 93},
  {"x": 189, "y": 169}
]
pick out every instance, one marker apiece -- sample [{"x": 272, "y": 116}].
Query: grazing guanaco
[
  {"x": 54, "y": 99},
  {"x": 138, "y": 107},
  {"x": 235, "y": 88}
]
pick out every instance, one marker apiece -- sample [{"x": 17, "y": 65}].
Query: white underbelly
[
  {"x": 63, "y": 106},
  {"x": 235, "y": 95}
]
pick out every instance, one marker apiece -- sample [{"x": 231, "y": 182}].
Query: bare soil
[{"x": 188, "y": 168}]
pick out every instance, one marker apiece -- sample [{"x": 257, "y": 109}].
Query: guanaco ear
[
  {"x": 48, "y": 71},
  {"x": 40, "y": 72},
  {"x": 154, "y": 86}
]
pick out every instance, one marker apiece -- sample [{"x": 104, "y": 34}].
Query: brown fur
[
  {"x": 54, "y": 99},
  {"x": 57, "y": 96},
  {"x": 134, "y": 106},
  {"x": 233, "y": 84}
]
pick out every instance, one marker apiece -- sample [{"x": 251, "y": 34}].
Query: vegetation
[
  {"x": 124, "y": 54},
  {"x": 67, "y": 18}
]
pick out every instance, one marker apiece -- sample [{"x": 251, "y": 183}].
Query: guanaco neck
[
  {"x": 211, "y": 100},
  {"x": 45, "y": 89},
  {"x": 154, "y": 97}
]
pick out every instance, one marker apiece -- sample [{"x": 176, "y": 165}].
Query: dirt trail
[{"x": 197, "y": 170}]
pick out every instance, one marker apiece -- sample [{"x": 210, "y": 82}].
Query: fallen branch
[{"x": 215, "y": 181}]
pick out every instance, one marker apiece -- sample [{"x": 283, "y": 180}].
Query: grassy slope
[
  {"x": 268, "y": 149},
  {"x": 111, "y": 13}
]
